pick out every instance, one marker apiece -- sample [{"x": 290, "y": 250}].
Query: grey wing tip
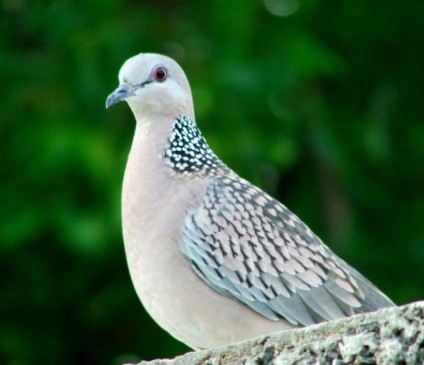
[{"x": 374, "y": 297}]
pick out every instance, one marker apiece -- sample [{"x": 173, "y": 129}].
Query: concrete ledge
[{"x": 389, "y": 336}]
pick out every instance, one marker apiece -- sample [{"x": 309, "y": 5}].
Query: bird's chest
[
  {"x": 154, "y": 207},
  {"x": 152, "y": 219}
]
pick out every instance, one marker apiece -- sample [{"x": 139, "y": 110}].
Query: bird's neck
[
  {"x": 151, "y": 195},
  {"x": 187, "y": 153},
  {"x": 178, "y": 145}
]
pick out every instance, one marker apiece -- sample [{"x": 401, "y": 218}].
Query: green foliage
[{"x": 319, "y": 103}]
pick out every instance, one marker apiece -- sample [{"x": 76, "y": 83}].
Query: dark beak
[{"x": 121, "y": 93}]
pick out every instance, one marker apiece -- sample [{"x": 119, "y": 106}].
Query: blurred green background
[{"x": 318, "y": 103}]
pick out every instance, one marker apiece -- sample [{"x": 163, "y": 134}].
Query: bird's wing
[{"x": 251, "y": 248}]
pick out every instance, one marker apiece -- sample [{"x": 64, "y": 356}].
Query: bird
[{"x": 214, "y": 259}]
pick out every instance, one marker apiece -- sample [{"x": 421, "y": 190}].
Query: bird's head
[{"x": 154, "y": 86}]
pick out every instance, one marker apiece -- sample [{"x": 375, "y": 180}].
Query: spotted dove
[{"x": 214, "y": 259}]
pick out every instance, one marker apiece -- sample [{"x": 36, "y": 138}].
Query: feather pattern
[{"x": 250, "y": 247}]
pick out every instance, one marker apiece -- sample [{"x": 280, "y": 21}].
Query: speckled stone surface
[{"x": 388, "y": 336}]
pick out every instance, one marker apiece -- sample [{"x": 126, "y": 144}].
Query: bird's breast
[{"x": 154, "y": 206}]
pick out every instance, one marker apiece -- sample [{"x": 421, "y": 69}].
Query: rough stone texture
[{"x": 389, "y": 336}]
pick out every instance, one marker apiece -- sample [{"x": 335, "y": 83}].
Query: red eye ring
[{"x": 161, "y": 74}]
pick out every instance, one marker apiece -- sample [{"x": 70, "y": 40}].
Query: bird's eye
[{"x": 161, "y": 74}]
